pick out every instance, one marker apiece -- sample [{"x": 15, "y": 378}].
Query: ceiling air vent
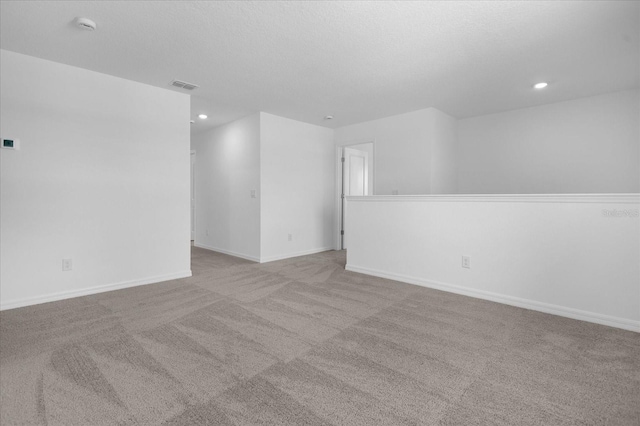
[{"x": 183, "y": 85}]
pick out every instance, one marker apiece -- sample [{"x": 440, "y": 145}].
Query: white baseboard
[
  {"x": 263, "y": 259},
  {"x": 229, "y": 252},
  {"x": 12, "y": 304},
  {"x": 296, "y": 254},
  {"x": 548, "y": 308}
]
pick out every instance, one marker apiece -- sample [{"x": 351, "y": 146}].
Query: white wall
[
  {"x": 290, "y": 166},
  {"x": 587, "y": 145},
  {"x": 404, "y": 150},
  {"x": 102, "y": 177},
  {"x": 557, "y": 254},
  {"x": 227, "y": 170},
  {"x": 444, "y": 142},
  {"x": 296, "y": 168}
]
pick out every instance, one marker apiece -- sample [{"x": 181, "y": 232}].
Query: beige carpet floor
[{"x": 303, "y": 342}]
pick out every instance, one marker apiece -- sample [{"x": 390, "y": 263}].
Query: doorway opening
[{"x": 355, "y": 178}]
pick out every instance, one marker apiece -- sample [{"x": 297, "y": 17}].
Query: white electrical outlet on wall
[
  {"x": 67, "y": 264},
  {"x": 466, "y": 262}
]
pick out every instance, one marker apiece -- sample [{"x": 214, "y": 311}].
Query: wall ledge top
[{"x": 632, "y": 198}]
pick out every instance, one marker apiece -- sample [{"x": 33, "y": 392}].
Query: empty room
[{"x": 320, "y": 213}]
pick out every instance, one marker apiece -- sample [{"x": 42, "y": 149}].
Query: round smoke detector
[{"x": 86, "y": 24}]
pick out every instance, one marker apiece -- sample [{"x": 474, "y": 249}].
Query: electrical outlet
[
  {"x": 253, "y": 193},
  {"x": 394, "y": 192},
  {"x": 290, "y": 237},
  {"x": 67, "y": 264},
  {"x": 466, "y": 262}
]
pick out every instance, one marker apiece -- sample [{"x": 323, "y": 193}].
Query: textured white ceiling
[{"x": 355, "y": 60}]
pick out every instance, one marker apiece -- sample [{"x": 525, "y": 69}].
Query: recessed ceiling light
[
  {"x": 202, "y": 116},
  {"x": 85, "y": 24},
  {"x": 541, "y": 85},
  {"x": 328, "y": 117}
]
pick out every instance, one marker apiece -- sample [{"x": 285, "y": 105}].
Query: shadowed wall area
[{"x": 302, "y": 341}]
